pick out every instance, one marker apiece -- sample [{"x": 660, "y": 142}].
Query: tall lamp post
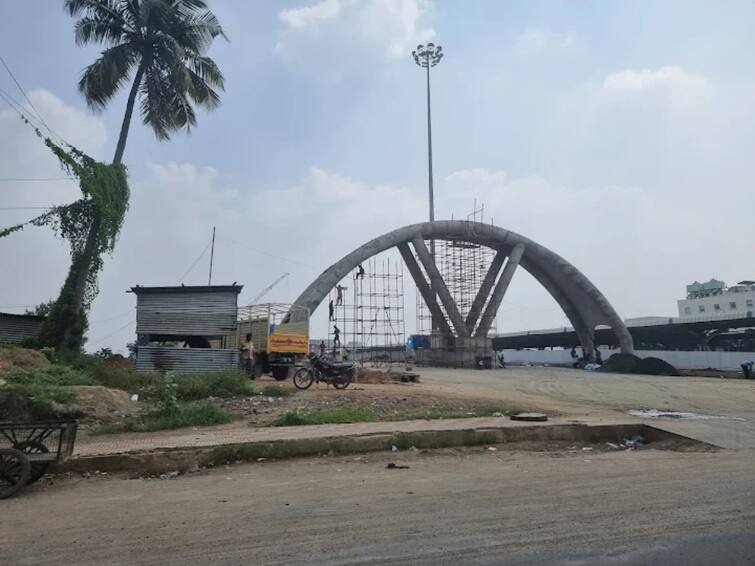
[{"x": 427, "y": 56}]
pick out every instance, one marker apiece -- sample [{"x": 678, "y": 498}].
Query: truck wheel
[{"x": 280, "y": 373}]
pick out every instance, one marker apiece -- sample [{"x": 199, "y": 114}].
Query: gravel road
[
  {"x": 578, "y": 393},
  {"x": 473, "y": 506}
]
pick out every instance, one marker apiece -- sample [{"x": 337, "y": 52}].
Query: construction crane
[{"x": 269, "y": 288}]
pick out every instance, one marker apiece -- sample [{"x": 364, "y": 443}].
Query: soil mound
[
  {"x": 15, "y": 358},
  {"x": 656, "y": 366},
  {"x": 18, "y": 407},
  {"x": 102, "y": 403},
  {"x": 629, "y": 363},
  {"x": 621, "y": 363}
]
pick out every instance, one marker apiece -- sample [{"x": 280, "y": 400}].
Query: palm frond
[
  {"x": 101, "y": 80},
  {"x": 96, "y": 29},
  {"x": 155, "y": 94},
  {"x": 94, "y": 8}
]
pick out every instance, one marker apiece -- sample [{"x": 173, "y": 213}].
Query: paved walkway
[{"x": 237, "y": 433}]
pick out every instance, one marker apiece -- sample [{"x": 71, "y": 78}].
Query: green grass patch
[
  {"x": 183, "y": 415},
  {"x": 276, "y": 391},
  {"x": 402, "y": 441},
  {"x": 342, "y": 415},
  {"x": 45, "y": 385},
  {"x": 230, "y": 383}
]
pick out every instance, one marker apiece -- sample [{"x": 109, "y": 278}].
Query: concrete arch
[{"x": 584, "y": 305}]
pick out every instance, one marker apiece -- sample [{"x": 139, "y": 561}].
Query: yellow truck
[{"x": 278, "y": 346}]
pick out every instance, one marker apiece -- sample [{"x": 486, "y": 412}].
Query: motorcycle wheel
[
  {"x": 303, "y": 378},
  {"x": 342, "y": 382}
]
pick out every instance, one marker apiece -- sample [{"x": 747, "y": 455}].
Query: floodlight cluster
[{"x": 428, "y": 55}]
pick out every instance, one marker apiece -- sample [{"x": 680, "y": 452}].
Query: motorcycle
[{"x": 338, "y": 374}]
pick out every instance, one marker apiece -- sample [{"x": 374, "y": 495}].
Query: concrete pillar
[
  {"x": 500, "y": 290},
  {"x": 439, "y": 286},
  {"x": 423, "y": 287},
  {"x": 484, "y": 292}
]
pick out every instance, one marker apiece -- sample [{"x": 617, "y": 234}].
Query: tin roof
[{"x": 139, "y": 290}]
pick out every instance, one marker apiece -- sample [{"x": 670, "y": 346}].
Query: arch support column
[
  {"x": 500, "y": 290},
  {"x": 439, "y": 286},
  {"x": 422, "y": 286},
  {"x": 484, "y": 292}
]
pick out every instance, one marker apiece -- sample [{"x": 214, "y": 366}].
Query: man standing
[
  {"x": 360, "y": 272},
  {"x": 247, "y": 356},
  {"x": 336, "y": 337},
  {"x": 322, "y": 348},
  {"x": 339, "y": 297},
  {"x": 330, "y": 310}
]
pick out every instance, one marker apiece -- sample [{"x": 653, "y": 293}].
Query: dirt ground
[
  {"x": 390, "y": 401},
  {"x": 472, "y": 506}
]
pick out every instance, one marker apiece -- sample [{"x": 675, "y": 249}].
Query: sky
[{"x": 620, "y": 135}]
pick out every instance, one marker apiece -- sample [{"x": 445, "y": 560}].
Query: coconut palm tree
[{"x": 159, "y": 47}]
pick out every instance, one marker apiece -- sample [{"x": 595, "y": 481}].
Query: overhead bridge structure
[{"x": 584, "y": 305}]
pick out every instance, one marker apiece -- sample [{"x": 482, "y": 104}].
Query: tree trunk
[
  {"x": 121, "y": 147},
  {"x": 66, "y": 324}
]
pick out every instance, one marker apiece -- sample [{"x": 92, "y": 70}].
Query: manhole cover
[{"x": 529, "y": 417}]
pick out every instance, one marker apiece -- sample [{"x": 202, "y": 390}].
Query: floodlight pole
[
  {"x": 428, "y": 56},
  {"x": 430, "y": 157}
]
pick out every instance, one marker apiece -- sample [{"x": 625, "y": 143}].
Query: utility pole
[{"x": 212, "y": 256}]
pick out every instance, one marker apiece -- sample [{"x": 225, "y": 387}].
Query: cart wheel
[
  {"x": 14, "y": 471},
  {"x": 38, "y": 469}
]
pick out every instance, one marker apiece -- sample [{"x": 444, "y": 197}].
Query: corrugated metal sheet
[
  {"x": 16, "y": 328},
  {"x": 185, "y": 360},
  {"x": 194, "y": 313},
  {"x": 258, "y": 328}
]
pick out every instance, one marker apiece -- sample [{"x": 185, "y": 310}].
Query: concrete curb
[{"x": 191, "y": 459}]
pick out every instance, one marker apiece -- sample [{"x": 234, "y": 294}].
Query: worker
[
  {"x": 339, "y": 297},
  {"x": 747, "y": 369},
  {"x": 322, "y": 348},
  {"x": 360, "y": 272},
  {"x": 598, "y": 357},
  {"x": 336, "y": 337},
  {"x": 247, "y": 356},
  {"x": 331, "y": 308}
]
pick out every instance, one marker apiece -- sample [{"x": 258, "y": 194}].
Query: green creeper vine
[{"x": 91, "y": 225}]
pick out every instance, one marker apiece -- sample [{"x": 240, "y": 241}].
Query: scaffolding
[
  {"x": 370, "y": 318},
  {"x": 463, "y": 266}
]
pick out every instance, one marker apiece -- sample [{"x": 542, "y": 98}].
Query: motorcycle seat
[{"x": 339, "y": 365}]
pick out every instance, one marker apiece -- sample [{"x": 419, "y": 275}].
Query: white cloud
[
  {"x": 311, "y": 16},
  {"x": 333, "y": 36},
  {"x": 674, "y": 87},
  {"x": 535, "y": 40}
]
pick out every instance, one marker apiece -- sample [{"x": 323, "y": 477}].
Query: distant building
[
  {"x": 15, "y": 328},
  {"x": 714, "y": 299}
]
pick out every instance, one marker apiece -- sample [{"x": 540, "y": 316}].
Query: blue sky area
[{"x": 619, "y": 134}]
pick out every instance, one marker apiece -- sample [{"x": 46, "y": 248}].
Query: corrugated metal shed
[
  {"x": 185, "y": 360},
  {"x": 209, "y": 311},
  {"x": 16, "y": 328}
]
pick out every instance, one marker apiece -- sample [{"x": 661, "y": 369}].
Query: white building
[{"x": 714, "y": 299}]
